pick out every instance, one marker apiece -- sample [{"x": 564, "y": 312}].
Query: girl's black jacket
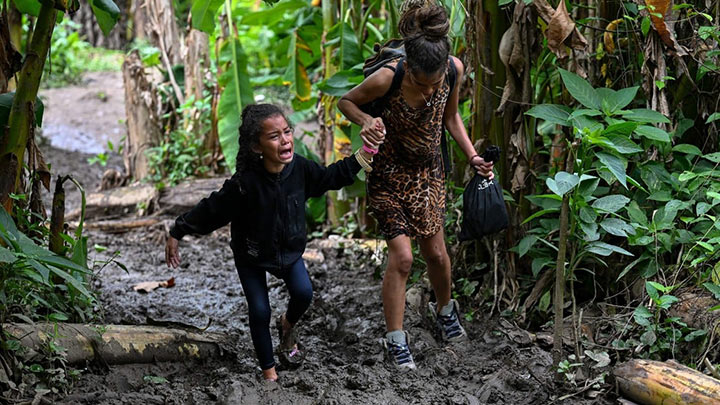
[{"x": 268, "y": 216}]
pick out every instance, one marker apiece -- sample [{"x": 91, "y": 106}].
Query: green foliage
[
  {"x": 38, "y": 284},
  {"x": 181, "y": 154}
]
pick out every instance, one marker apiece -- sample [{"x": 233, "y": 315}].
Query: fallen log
[
  {"x": 118, "y": 344},
  {"x": 140, "y": 198},
  {"x": 649, "y": 382},
  {"x": 117, "y": 226},
  {"x": 179, "y": 199}
]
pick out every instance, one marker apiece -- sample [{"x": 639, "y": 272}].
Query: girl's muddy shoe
[
  {"x": 291, "y": 352},
  {"x": 448, "y": 325},
  {"x": 397, "y": 352}
]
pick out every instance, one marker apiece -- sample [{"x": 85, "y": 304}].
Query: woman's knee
[
  {"x": 401, "y": 263},
  {"x": 437, "y": 258}
]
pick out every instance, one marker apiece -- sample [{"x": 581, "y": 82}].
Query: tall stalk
[{"x": 13, "y": 144}]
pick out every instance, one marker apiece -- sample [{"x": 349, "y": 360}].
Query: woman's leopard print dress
[{"x": 406, "y": 188}]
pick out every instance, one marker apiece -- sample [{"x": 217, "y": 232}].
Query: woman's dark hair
[
  {"x": 252, "y": 118},
  {"x": 424, "y": 29}
]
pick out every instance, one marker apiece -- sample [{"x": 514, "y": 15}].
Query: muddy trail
[{"x": 340, "y": 331}]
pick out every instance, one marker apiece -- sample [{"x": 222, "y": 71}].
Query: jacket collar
[{"x": 284, "y": 174}]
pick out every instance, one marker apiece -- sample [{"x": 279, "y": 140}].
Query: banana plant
[{"x": 20, "y": 123}]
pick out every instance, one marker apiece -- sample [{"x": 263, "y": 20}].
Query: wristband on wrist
[{"x": 369, "y": 150}]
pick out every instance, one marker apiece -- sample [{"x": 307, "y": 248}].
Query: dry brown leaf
[
  {"x": 559, "y": 29},
  {"x": 608, "y": 35},
  {"x": 147, "y": 286},
  {"x": 658, "y": 10}
]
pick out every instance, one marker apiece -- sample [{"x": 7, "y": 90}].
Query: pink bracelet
[{"x": 369, "y": 150}]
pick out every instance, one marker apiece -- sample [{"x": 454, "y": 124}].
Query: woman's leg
[
  {"x": 394, "y": 282},
  {"x": 435, "y": 254},
  {"x": 254, "y": 284},
  {"x": 299, "y": 286}
]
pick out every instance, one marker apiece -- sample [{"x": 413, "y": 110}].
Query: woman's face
[
  {"x": 426, "y": 84},
  {"x": 276, "y": 143}
]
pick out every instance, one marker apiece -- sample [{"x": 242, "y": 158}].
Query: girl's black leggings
[{"x": 254, "y": 284}]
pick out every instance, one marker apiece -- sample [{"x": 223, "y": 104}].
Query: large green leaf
[
  {"x": 653, "y": 133},
  {"x": 273, "y": 15},
  {"x": 644, "y": 115},
  {"x": 296, "y": 74},
  {"x": 7, "y": 256},
  {"x": 611, "y": 203},
  {"x": 348, "y": 53},
  {"x": 6, "y": 100},
  {"x": 616, "y": 165},
  {"x": 621, "y": 128},
  {"x": 31, "y": 7},
  {"x": 613, "y": 101},
  {"x": 554, "y": 113},
  {"x": 617, "y": 227},
  {"x": 581, "y": 90},
  {"x": 107, "y": 14},
  {"x": 235, "y": 96},
  {"x": 562, "y": 183},
  {"x": 203, "y": 14},
  {"x": 687, "y": 149},
  {"x": 340, "y": 83},
  {"x": 606, "y": 249}
]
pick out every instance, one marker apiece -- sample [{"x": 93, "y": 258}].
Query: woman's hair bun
[{"x": 424, "y": 20}]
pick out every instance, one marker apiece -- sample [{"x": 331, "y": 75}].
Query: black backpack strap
[
  {"x": 398, "y": 77},
  {"x": 452, "y": 76}
]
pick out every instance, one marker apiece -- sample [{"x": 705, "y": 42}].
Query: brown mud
[{"x": 340, "y": 331}]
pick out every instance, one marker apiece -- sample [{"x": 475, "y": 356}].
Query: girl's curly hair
[
  {"x": 250, "y": 129},
  {"x": 424, "y": 27}
]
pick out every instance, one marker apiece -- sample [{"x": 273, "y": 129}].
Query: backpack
[{"x": 391, "y": 51}]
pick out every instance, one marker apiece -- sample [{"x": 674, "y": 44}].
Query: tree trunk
[
  {"x": 10, "y": 58},
  {"x": 156, "y": 20},
  {"x": 119, "y": 344},
  {"x": 649, "y": 382},
  {"x": 22, "y": 117},
  {"x": 197, "y": 61},
  {"x": 142, "y": 109}
]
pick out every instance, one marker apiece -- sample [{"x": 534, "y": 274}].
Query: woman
[{"x": 406, "y": 188}]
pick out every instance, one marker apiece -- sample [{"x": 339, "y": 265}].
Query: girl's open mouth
[{"x": 286, "y": 154}]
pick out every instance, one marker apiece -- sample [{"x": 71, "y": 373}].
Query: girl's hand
[
  {"x": 483, "y": 168},
  {"x": 373, "y": 133},
  {"x": 172, "y": 256}
]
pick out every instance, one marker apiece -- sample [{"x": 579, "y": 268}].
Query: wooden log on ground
[
  {"x": 136, "y": 198},
  {"x": 649, "y": 382},
  {"x": 117, "y": 226},
  {"x": 178, "y": 199},
  {"x": 119, "y": 344}
]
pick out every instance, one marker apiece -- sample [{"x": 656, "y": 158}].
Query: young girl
[
  {"x": 265, "y": 203},
  {"x": 406, "y": 188}
]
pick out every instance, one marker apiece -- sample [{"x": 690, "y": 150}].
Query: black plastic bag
[{"x": 484, "y": 211}]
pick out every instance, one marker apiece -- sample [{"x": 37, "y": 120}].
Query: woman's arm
[
  {"x": 372, "y": 88},
  {"x": 454, "y": 124}
]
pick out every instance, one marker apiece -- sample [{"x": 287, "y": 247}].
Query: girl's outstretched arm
[{"x": 211, "y": 213}]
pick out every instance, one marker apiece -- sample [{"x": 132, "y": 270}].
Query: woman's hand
[
  {"x": 483, "y": 168},
  {"x": 172, "y": 256},
  {"x": 373, "y": 132}
]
